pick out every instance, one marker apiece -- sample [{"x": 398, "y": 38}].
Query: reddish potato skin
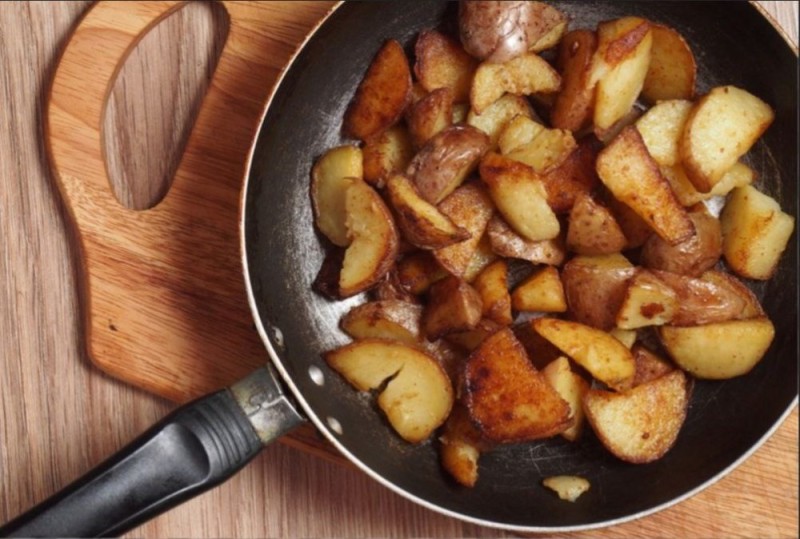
[
  {"x": 595, "y": 295},
  {"x": 690, "y": 257},
  {"x": 575, "y": 102}
]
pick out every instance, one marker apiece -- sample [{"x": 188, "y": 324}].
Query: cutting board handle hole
[{"x": 145, "y": 131}]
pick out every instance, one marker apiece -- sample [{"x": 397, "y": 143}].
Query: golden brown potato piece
[
  {"x": 568, "y": 487},
  {"x": 492, "y": 120},
  {"x": 469, "y": 340},
  {"x": 571, "y": 387},
  {"x": 642, "y": 424},
  {"x": 620, "y": 67},
  {"x": 547, "y": 151},
  {"x": 508, "y": 399},
  {"x": 505, "y": 242},
  {"x": 418, "y": 396},
  {"x": 541, "y": 292},
  {"x": 520, "y": 197},
  {"x": 430, "y": 115},
  {"x": 443, "y": 163},
  {"x": 737, "y": 176},
  {"x": 649, "y": 301},
  {"x": 469, "y": 207},
  {"x": 575, "y": 102},
  {"x": 595, "y": 288},
  {"x": 390, "y": 288},
  {"x": 481, "y": 258},
  {"x": 672, "y": 70},
  {"x": 526, "y": 74},
  {"x": 374, "y": 240},
  {"x": 633, "y": 177},
  {"x": 636, "y": 230},
  {"x": 422, "y": 224},
  {"x": 661, "y": 128},
  {"x": 417, "y": 271},
  {"x": 443, "y": 63},
  {"x": 382, "y": 95},
  {"x": 492, "y": 285},
  {"x": 392, "y": 320},
  {"x": 720, "y": 350},
  {"x": 453, "y": 306},
  {"x": 625, "y": 336},
  {"x": 326, "y": 281},
  {"x": 648, "y": 365},
  {"x": 690, "y": 257},
  {"x": 721, "y": 127},
  {"x": 541, "y": 352},
  {"x": 755, "y": 232},
  {"x": 606, "y": 358},
  {"x": 575, "y": 175},
  {"x": 331, "y": 176},
  {"x": 386, "y": 153},
  {"x": 592, "y": 229},
  {"x": 461, "y": 447},
  {"x": 518, "y": 131}
]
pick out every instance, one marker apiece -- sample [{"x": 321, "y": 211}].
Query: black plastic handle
[{"x": 194, "y": 448}]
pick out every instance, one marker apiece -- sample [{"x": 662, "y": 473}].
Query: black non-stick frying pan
[{"x": 203, "y": 443}]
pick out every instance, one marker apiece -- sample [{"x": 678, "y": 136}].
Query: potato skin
[
  {"x": 494, "y": 31},
  {"x": 690, "y": 257}
]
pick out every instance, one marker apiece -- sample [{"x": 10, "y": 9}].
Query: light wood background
[{"x": 59, "y": 416}]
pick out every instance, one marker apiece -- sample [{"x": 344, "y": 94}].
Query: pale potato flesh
[
  {"x": 571, "y": 387},
  {"x": 661, "y": 128},
  {"x": 526, "y": 74},
  {"x": 541, "y": 292},
  {"x": 442, "y": 63},
  {"x": 384, "y": 154},
  {"x": 520, "y": 130},
  {"x": 331, "y": 176},
  {"x": 387, "y": 319},
  {"x": 673, "y": 70},
  {"x": 546, "y": 151},
  {"x": 492, "y": 285},
  {"x": 495, "y": 117},
  {"x": 649, "y": 301},
  {"x": 568, "y": 487}
]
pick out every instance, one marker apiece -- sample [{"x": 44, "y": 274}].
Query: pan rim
[{"x": 297, "y": 395}]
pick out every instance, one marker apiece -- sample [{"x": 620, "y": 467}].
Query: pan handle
[{"x": 191, "y": 450}]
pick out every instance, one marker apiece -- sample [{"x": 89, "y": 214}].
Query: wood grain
[{"x": 59, "y": 415}]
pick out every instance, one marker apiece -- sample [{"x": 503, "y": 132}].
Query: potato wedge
[
  {"x": 755, "y": 232},
  {"x": 506, "y": 242},
  {"x": 575, "y": 102},
  {"x": 749, "y": 306},
  {"x": 602, "y": 355},
  {"x": 392, "y": 320},
  {"x": 661, "y": 128},
  {"x": 520, "y": 197},
  {"x": 690, "y": 257},
  {"x": 442, "y": 63},
  {"x": 575, "y": 175},
  {"x": 453, "y": 306},
  {"x": 382, "y": 95},
  {"x": 595, "y": 288},
  {"x": 471, "y": 208},
  {"x": 592, "y": 229},
  {"x": 374, "y": 240},
  {"x": 620, "y": 67},
  {"x": 635, "y": 229},
  {"x": 417, "y": 271},
  {"x": 541, "y": 292},
  {"x": 642, "y": 424},
  {"x": 571, "y": 387},
  {"x": 446, "y": 160},
  {"x": 649, "y": 301},
  {"x": 492, "y": 285},
  {"x": 495, "y": 117},
  {"x": 418, "y": 396},
  {"x": 721, "y": 127},
  {"x": 331, "y": 175},
  {"x": 648, "y": 365},
  {"x": 430, "y": 115},
  {"x": 546, "y": 151},
  {"x": 461, "y": 447},
  {"x": 568, "y": 487},
  {"x": 625, "y": 336},
  {"x": 508, "y": 399},
  {"x": 721, "y": 350},
  {"x": 519, "y": 130},
  {"x": 737, "y": 176},
  {"x": 526, "y": 74},
  {"x": 386, "y": 153},
  {"x": 633, "y": 177},
  {"x": 422, "y": 224},
  {"x": 673, "y": 70},
  {"x": 481, "y": 258},
  {"x": 469, "y": 340}
]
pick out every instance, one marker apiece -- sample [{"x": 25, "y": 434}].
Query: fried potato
[
  {"x": 541, "y": 352},
  {"x": 602, "y": 355},
  {"x": 386, "y": 153},
  {"x": 690, "y": 257},
  {"x": 417, "y": 271},
  {"x": 541, "y": 292},
  {"x": 326, "y": 281},
  {"x": 422, "y": 224},
  {"x": 443, "y": 63},
  {"x": 469, "y": 207},
  {"x": 595, "y": 288},
  {"x": 520, "y": 197},
  {"x": 574, "y": 104},
  {"x": 755, "y": 232},
  {"x": 495, "y": 117},
  {"x": 392, "y": 320},
  {"x": 548, "y": 150},
  {"x": 737, "y": 176},
  {"x": 749, "y": 306},
  {"x": 453, "y": 305},
  {"x": 642, "y": 424},
  {"x": 635, "y": 229},
  {"x": 507, "y": 398},
  {"x": 620, "y": 67},
  {"x": 382, "y": 95},
  {"x": 461, "y": 447},
  {"x": 648, "y": 365},
  {"x": 446, "y": 160},
  {"x": 720, "y": 350},
  {"x": 673, "y": 70},
  {"x": 633, "y": 177},
  {"x": 625, "y": 336},
  {"x": 519, "y": 130},
  {"x": 661, "y": 128},
  {"x": 374, "y": 240},
  {"x": 649, "y": 301},
  {"x": 571, "y": 387},
  {"x": 331, "y": 175},
  {"x": 574, "y": 176},
  {"x": 592, "y": 229},
  {"x": 390, "y": 288},
  {"x": 472, "y": 338},
  {"x": 481, "y": 258},
  {"x": 430, "y": 115},
  {"x": 526, "y": 74},
  {"x": 568, "y": 487},
  {"x": 418, "y": 395},
  {"x": 721, "y": 127},
  {"x": 506, "y": 242},
  {"x": 492, "y": 285}
]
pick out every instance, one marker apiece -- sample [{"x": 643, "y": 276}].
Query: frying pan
[{"x": 202, "y": 443}]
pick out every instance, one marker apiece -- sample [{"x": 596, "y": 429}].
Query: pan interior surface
[{"x": 733, "y": 44}]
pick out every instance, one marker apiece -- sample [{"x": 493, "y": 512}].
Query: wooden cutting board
[{"x": 165, "y": 304}]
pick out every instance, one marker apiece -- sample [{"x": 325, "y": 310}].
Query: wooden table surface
[{"x": 59, "y": 415}]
